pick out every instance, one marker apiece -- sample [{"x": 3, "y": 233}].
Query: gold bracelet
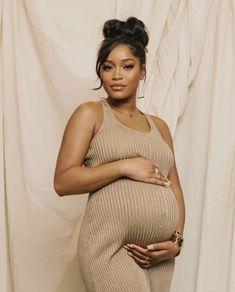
[{"x": 178, "y": 239}]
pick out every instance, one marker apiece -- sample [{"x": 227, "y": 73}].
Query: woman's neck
[{"x": 124, "y": 104}]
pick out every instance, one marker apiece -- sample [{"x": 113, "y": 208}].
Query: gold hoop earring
[{"x": 140, "y": 89}]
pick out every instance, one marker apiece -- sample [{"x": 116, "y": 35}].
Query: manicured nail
[
  {"x": 126, "y": 247},
  {"x": 150, "y": 247},
  {"x": 168, "y": 183},
  {"x": 130, "y": 245}
]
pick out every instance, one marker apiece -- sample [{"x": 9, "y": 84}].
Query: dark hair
[{"x": 116, "y": 32}]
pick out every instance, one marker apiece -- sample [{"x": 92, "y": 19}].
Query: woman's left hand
[{"x": 153, "y": 254}]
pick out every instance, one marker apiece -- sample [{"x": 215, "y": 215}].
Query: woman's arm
[{"x": 71, "y": 177}]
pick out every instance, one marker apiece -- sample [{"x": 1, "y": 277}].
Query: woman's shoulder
[
  {"x": 88, "y": 107},
  {"x": 161, "y": 125},
  {"x": 90, "y": 110},
  {"x": 88, "y": 114}
]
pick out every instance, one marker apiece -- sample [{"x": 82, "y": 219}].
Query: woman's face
[{"x": 121, "y": 73}]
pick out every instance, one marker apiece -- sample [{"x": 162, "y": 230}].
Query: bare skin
[{"x": 120, "y": 74}]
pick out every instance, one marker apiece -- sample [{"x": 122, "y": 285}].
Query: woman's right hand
[{"x": 144, "y": 170}]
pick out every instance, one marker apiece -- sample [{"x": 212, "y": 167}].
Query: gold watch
[{"x": 178, "y": 239}]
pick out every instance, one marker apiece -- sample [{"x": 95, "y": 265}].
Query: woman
[{"x": 133, "y": 224}]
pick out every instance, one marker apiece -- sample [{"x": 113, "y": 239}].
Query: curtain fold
[
  {"x": 205, "y": 141},
  {"x": 48, "y": 53},
  {"x": 5, "y": 263}
]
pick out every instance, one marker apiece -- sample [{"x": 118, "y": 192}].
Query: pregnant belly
[{"x": 133, "y": 212}]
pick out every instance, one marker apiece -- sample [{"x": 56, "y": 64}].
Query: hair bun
[{"x": 133, "y": 28}]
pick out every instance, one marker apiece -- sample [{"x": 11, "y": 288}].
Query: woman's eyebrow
[{"x": 123, "y": 60}]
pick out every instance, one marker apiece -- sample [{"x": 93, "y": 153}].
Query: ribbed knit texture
[{"x": 126, "y": 211}]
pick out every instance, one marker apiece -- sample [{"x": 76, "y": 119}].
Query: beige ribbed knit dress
[{"x": 126, "y": 211}]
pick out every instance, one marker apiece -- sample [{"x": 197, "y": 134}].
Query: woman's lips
[{"x": 117, "y": 87}]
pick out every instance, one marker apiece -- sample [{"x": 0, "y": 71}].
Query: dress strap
[
  {"x": 107, "y": 109},
  {"x": 108, "y": 115},
  {"x": 103, "y": 102},
  {"x": 153, "y": 125}
]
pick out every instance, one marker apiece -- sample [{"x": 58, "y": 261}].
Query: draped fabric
[{"x": 48, "y": 53}]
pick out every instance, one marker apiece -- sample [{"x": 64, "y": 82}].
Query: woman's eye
[
  {"x": 128, "y": 67},
  {"x": 106, "y": 67}
]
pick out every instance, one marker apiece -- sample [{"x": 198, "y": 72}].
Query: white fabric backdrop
[{"x": 48, "y": 53}]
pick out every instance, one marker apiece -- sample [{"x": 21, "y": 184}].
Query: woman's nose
[{"x": 117, "y": 74}]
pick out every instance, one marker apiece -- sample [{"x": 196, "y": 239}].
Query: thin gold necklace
[{"x": 125, "y": 111}]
